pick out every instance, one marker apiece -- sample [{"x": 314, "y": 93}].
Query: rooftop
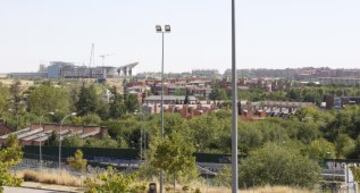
[{"x": 169, "y": 98}]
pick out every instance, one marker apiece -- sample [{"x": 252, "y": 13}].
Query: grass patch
[
  {"x": 54, "y": 177},
  {"x": 51, "y": 177},
  {"x": 276, "y": 189}
]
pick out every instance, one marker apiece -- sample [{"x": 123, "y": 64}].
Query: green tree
[
  {"x": 89, "y": 100},
  {"x": 321, "y": 149},
  {"x": 187, "y": 100},
  {"x": 294, "y": 94},
  {"x": 53, "y": 139},
  {"x": 206, "y": 131},
  {"x": 73, "y": 141},
  {"x": 131, "y": 103},
  {"x": 218, "y": 93},
  {"x": 88, "y": 119},
  {"x": 105, "y": 142},
  {"x": 117, "y": 106},
  {"x": 4, "y": 99},
  {"x": 17, "y": 105},
  {"x": 77, "y": 162},
  {"x": 174, "y": 155},
  {"x": 179, "y": 92},
  {"x": 10, "y": 156},
  {"x": 345, "y": 145},
  {"x": 276, "y": 165},
  {"x": 47, "y": 98}
]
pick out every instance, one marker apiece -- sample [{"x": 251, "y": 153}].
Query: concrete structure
[
  {"x": 185, "y": 110},
  {"x": 28, "y": 75},
  {"x": 169, "y": 99},
  {"x": 340, "y": 102},
  {"x": 339, "y": 80},
  {"x": 59, "y": 69},
  {"x": 338, "y": 177},
  {"x": 55, "y": 68},
  {"x": 261, "y": 109},
  {"x": 35, "y": 134}
]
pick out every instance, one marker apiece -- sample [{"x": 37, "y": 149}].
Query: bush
[
  {"x": 9, "y": 157},
  {"x": 78, "y": 162},
  {"x": 275, "y": 165},
  {"x": 224, "y": 177},
  {"x": 321, "y": 149},
  {"x": 111, "y": 181},
  {"x": 356, "y": 173}
]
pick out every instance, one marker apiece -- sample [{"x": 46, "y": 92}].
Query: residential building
[{"x": 170, "y": 99}]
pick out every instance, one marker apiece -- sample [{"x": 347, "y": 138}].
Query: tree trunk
[{"x": 174, "y": 183}]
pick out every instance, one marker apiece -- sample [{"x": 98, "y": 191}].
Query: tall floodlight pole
[
  {"x": 159, "y": 29},
  {"x": 234, "y": 143}
]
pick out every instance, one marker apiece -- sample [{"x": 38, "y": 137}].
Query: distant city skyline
[{"x": 271, "y": 34}]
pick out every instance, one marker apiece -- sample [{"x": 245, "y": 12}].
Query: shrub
[
  {"x": 78, "y": 162},
  {"x": 9, "y": 157},
  {"x": 111, "y": 181},
  {"x": 224, "y": 177},
  {"x": 275, "y": 165}
]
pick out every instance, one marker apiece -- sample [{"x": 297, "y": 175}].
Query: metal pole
[
  {"x": 61, "y": 123},
  {"x": 141, "y": 141},
  {"x": 142, "y": 138},
  {"x": 162, "y": 84},
  {"x": 141, "y": 131},
  {"x": 162, "y": 102},
  {"x": 40, "y": 148},
  {"x": 235, "y": 182}
]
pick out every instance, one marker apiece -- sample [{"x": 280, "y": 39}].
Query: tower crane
[{"x": 103, "y": 56}]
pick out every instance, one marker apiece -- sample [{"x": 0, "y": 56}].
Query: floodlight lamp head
[
  {"x": 158, "y": 28},
  {"x": 167, "y": 28}
]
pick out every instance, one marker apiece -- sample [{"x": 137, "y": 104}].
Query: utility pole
[{"x": 234, "y": 134}]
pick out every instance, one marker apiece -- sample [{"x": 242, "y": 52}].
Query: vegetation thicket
[
  {"x": 9, "y": 157},
  {"x": 286, "y": 151},
  {"x": 112, "y": 181}
]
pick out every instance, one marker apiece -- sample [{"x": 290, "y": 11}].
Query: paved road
[{"x": 25, "y": 190}]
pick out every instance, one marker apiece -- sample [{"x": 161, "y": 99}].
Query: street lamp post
[
  {"x": 160, "y": 29},
  {"x": 61, "y": 124},
  {"x": 234, "y": 139},
  {"x": 40, "y": 144}
]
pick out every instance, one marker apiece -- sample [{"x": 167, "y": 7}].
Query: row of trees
[
  {"x": 311, "y": 93},
  {"x": 21, "y": 106}
]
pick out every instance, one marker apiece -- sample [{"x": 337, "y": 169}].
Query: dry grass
[
  {"x": 65, "y": 178},
  {"x": 51, "y": 177},
  {"x": 276, "y": 189},
  {"x": 266, "y": 189}
]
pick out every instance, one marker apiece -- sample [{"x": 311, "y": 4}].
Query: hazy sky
[{"x": 271, "y": 33}]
